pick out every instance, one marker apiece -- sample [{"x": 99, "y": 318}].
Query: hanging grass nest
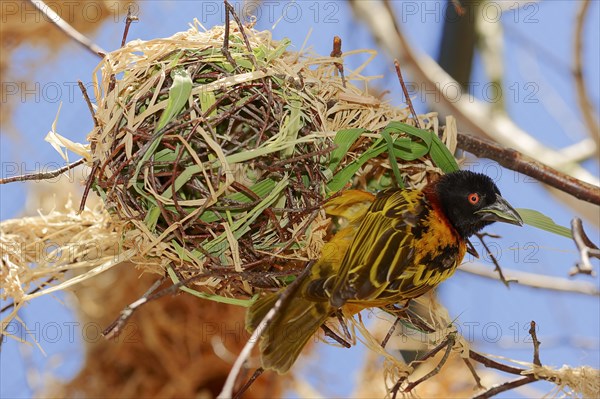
[{"x": 222, "y": 161}]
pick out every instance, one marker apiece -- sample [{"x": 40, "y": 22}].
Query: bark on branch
[{"x": 514, "y": 160}]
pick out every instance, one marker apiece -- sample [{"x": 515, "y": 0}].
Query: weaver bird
[{"x": 397, "y": 246}]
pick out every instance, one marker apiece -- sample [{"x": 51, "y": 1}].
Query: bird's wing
[
  {"x": 350, "y": 204},
  {"x": 382, "y": 251}
]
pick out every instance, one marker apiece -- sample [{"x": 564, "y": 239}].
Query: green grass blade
[
  {"x": 440, "y": 154},
  {"x": 179, "y": 93},
  {"x": 343, "y": 141},
  {"x": 539, "y": 220},
  {"x": 216, "y": 298},
  {"x": 392, "y": 156},
  {"x": 345, "y": 175}
]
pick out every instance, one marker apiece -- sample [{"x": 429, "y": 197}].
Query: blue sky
[{"x": 569, "y": 325}]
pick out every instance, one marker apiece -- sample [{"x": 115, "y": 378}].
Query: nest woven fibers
[
  {"x": 223, "y": 160},
  {"x": 214, "y": 166}
]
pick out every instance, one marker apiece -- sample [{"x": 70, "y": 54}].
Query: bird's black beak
[{"x": 500, "y": 211}]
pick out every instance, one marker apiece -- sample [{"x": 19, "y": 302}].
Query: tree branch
[
  {"x": 587, "y": 109},
  {"x": 68, "y": 29},
  {"x": 227, "y": 391},
  {"x": 519, "y": 162},
  {"x": 505, "y": 387},
  {"x": 42, "y": 175},
  {"x": 534, "y": 280},
  {"x": 586, "y": 249},
  {"x": 471, "y": 113}
]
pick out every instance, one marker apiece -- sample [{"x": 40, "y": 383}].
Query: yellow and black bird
[{"x": 397, "y": 246}]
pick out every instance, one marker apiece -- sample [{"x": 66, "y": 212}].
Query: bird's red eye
[{"x": 473, "y": 198}]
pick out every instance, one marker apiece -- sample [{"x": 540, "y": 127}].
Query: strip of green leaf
[
  {"x": 343, "y": 141},
  {"x": 440, "y": 154},
  {"x": 539, "y": 220},
  {"x": 392, "y": 156},
  {"x": 216, "y": 298}
]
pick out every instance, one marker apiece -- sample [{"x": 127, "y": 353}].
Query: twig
[
  {"x": 67, "y": 29},
  {"x": 42, "y": 175},
  {"x": 248, "y": 383},
  {"x": 88, "y": 185},
  {"x": 514, "y": 160},
  {"x": 536, "y": 344},
  {"x": 337, "y": 53},
  {"x": 229, "y": 9},
  {"x": 130, "y": 18},
  {"x": 150, "y": 295},
  {"x": 586, "y": 249},
  {"x": 390, "y": 332},
  {"x": 342, "y": 322},
  {"x": 583, "y": 98},
  {"x": 227, "y": 391},
  {"x": 497, "y": 267},
  {"x": 487, "y": 362},
  {"x": 115, "y": 327},
  {"x": 406, "y": 96},
  {"x": 331, "y": 334},
  {"x": 534, "y": 280},
  {"x": 225, "y": 48},
  {"x": 471, "y": 249},
  {"x": 86, "y": 97},
  {"x": 505, "y": 387},
  {"x": 473, "y": 373},
  {"x": 472, "y": 114},
  {"x": 448, "y": 343}
]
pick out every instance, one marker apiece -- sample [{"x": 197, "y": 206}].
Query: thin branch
[
  {"x": 448, "y": 343},
  {"x": 515, "y": 383},
  {"x": 536, "y": 344},
  {"x": 86, "y": 97},
  {"x": 583, "y": 98},
  {"x": 534, "y": 280},
  {"x": 248, "y": 383},
  {"x": 115, "y": 327},
  {"x": 519, "y": 162},
  {"x": 472, "y": 114},
  {"x": 406, "y": 95},
  {"x": 229, "y": 9},
  {"x": 342, "y": 322},
  {"x": 390, "y": 332},
  {"x": 130, "y": 18},
  {"x": 487, "y": 362},
  {"x": 473, "y": 373},
  {"x": 337, "y": 53},
  {"x": 42, "y": 175},
  {"x": 586, "y": 249},
  {"x": 88, "y": 185},
  {"x": 227, "y": 391},
  {"x": 497, "y": 267},
  {"x": 505, "y": 387},
  {"x": 225, "y": 49},
  {"x": 68, "y": 29},
  {"x": 331, "y": 334}
]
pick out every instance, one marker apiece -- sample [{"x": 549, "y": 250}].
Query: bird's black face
[{"x": 472, "y": 201}]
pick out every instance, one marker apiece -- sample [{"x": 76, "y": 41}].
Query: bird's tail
[{"x": 289, "y": 331}]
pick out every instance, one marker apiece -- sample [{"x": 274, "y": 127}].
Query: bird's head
[{"x": 472, "y": 201}]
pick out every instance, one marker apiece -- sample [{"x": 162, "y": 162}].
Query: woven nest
[{"x": 222, "y": 162}]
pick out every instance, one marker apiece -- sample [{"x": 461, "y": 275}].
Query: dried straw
[{"x": 212, "y": 171}]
